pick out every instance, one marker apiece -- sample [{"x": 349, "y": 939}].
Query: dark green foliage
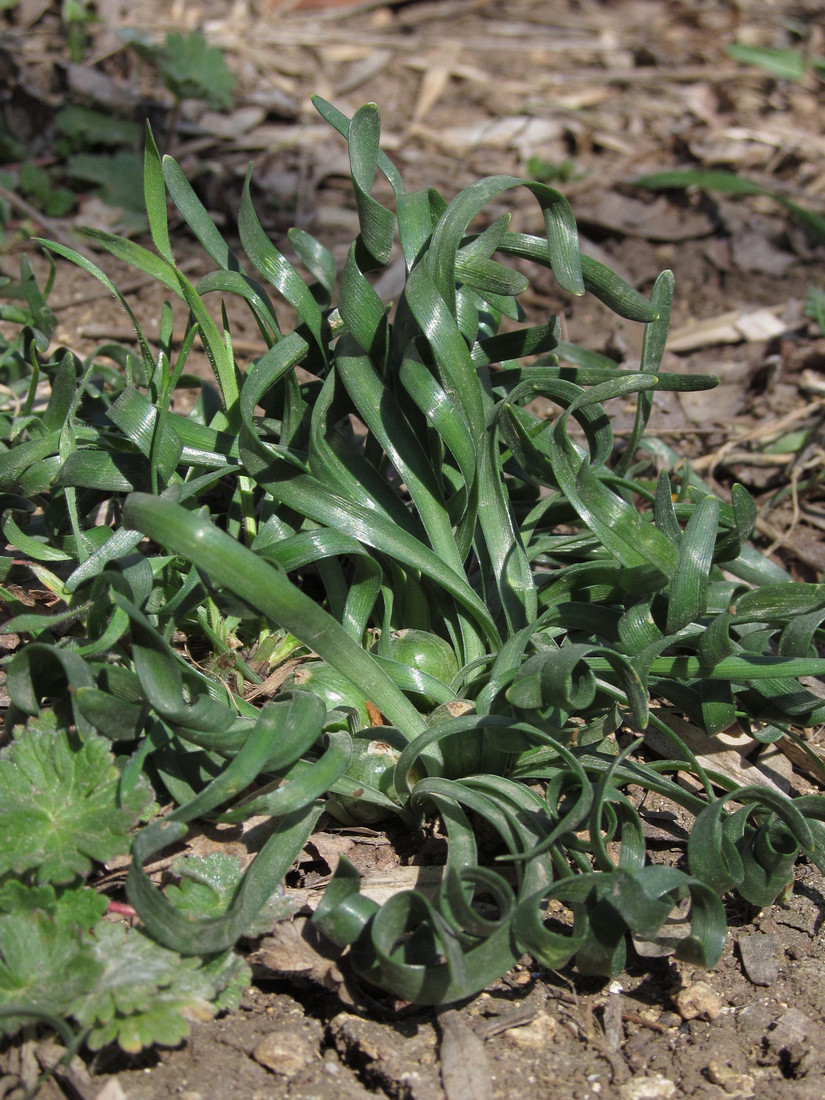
[{"x": 567, "y": 587}]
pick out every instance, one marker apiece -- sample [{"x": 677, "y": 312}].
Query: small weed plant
[{"x": 482, "y": 612}]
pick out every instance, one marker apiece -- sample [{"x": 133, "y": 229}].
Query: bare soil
[{"x": 605, "y": 91}]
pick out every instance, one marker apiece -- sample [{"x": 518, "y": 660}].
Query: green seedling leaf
[
  {"x": 36, "y": 184},
  {"x": 207, "y": 884},
  {"x": 815, "y": 307},
  {"x": 706, "y": 179},
  {"x": 154, "y": 192},
  {"x": 689, "y": 587},
  {"x": 82, "y": 127},
  {"x": 189, "y": 67},
  {"x": 62, "y": 805},
  {"x": 785, "y": 64},
  {"x": 376, "y": 221}
]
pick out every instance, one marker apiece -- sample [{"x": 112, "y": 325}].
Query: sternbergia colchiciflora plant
[{"x": 475, "y": 612}]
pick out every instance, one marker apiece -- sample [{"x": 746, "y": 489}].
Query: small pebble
[
  {"x": 734, "y": 1084},
  {"x": 655, "y": 1087},
  {"x": 698, "y": 1002},
  {"x": 535, "y": 1035},
  {"x": 285, "y": 1053}
]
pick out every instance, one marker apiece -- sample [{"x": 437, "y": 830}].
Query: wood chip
[
  {"x": 435, "y": 80},
  {"x": 612, "y": 1020},
  {"x": 760, "y": 957},
  {"x": 711, "y": 752},
  {"x": 734, "y": 327},
  {"x": 465, "y": 1068}
]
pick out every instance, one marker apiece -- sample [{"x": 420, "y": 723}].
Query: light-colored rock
[
  {"x": 535, "y": 1035},
  {"x": 698, "y": 1002},
  {"x": 734, "y": 1084},
  {"x": 654, "y": 1087},
  {"x": 284, "y": 1052},
  {"x": 112, "y": 1090}
]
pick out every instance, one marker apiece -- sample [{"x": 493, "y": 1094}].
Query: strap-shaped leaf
[
  {"x": 218, "y": 353},
  {"x": 315, "y": 257},
  {"x": 560, "y": 226},
  {"x": 154, "y": 191},
  {"x": 275, "y": 268},
  {"x": 243, "y": 286},
  {"x": 452, "y": 356},
  {"x": 341, "y": 467},
  {"x": 209, "y": 936},
  {"x": 363, "y": 312},
  {"x": 93, "y": 269},
  {"x": 135, "y": 255},
  {"x": 689, "y": 586},
  {"x": 514, "y": 345},
  {"x": 341, "y": 123},
  {"x": 377, "y": 223},
  {"x": 137, "y": 418},
  {"x": 599, "y": 280},
  {"x": 159, "y": 671},
  {"x": 269, "y": 591},
  {"x": 653, "y": 349},
  {"x": 618, "y": 526},
  {"x": 39, "y": 670},
  {"x": 197, "y": 216},
  {"x": 380, "y": 411}
]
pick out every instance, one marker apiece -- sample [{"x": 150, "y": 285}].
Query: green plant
[
  {"x": 784, "y": 64},
  {"x": 65, "y": 804},
  {"x": 35, "y": 184},
  {"x": 546, "y": 171},
  {"x": 404, "y": 482},
  {"x": 733, "y": 184},
  {"x": 189, "y": 68},
  {"x": 815, "y": 307}
]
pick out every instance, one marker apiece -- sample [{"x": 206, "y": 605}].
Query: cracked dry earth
[{"x": 611, "y": 89}]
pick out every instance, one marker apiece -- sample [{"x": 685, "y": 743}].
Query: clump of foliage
[{"x": 482, "y": 603}]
